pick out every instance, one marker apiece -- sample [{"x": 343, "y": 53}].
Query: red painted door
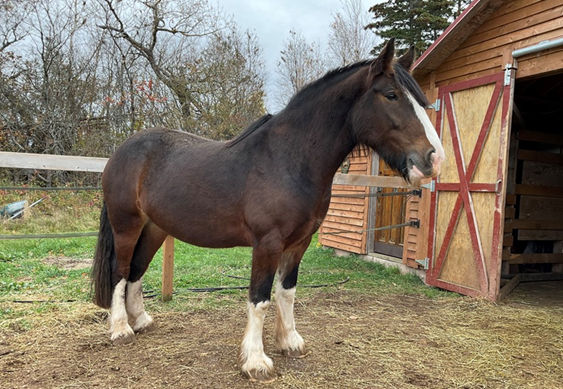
[{"x": 466, "y": 214}]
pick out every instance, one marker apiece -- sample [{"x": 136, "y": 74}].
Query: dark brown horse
[{"x": 269, "y": 188}]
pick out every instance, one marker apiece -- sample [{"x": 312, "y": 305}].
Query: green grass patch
[{"x": 32, "y": 270}]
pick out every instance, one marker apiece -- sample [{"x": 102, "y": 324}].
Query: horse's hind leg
[
  {"x": 125, "y": 242},
  {"x": 287, "y": 338},
  {"x": 151, "y": 239},
  {"x": 127, "y": 230}
]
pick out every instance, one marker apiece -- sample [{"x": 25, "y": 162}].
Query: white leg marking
[
  {"x": 255, "y": 364},
  {"x": 431, "y": 133},
  {"x": 121, "y": 332},
  {"x": 138, "y": 317},
  {"x": 287, "y": 338}
]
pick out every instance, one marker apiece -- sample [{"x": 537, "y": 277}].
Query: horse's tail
[{"x": 104, "y": 259}]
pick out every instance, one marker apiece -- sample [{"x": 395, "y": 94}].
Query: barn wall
[
  {"x": 346, "y": 215},
  {"x": 514, "y": 25}
]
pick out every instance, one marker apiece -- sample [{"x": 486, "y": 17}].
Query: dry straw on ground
[{"x": 357, "y": 341}]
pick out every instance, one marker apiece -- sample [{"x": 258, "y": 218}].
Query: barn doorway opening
[
  {"x": 533, "y": 234},
  {"x": 386, "y": 211}
]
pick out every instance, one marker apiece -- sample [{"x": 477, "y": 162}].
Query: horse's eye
[{"x": 391, "y": 96}]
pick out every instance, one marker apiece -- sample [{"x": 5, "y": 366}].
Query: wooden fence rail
[{"x": 52, "y": 162}]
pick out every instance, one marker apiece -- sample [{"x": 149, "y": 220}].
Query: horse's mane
[
  {"x": 341, "y": 70},
  {"x": 250, "y": 129},
  {"x": 402, "y": 77},
  {"x": 329, "y": 76}
]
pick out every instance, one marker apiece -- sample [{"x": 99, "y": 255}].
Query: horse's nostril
[{"x": 429, "y": 155}]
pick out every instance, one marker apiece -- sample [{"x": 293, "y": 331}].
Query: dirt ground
[{"x": 357, "y": 341}]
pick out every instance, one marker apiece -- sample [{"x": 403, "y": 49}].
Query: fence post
[{"x": 167, "y": 268}]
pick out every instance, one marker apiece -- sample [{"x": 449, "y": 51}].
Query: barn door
[{"x": 466, "y": 215}]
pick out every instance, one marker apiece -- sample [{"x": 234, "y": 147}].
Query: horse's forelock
[{"x": 407, "y": 83}]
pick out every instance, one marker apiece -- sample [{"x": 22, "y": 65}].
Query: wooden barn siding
[
  {"x": 516, "y": 24},
  {"x": 411, "y": 248},
  {"x": 348, "y": 214}
]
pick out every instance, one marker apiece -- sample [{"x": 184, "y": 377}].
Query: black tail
[{"x": 104, "y": 258}]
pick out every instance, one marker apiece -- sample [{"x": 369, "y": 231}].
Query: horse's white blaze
[
  {"x": 431, "y": 133},
  {"x": 119, "y": 327},
  {"x": 136, "y": 308},
  {"x": 287, "y": 337},
  {"x": 252, "y": 349}
]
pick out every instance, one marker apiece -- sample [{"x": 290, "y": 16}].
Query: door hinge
[
  {"x": 436, "y": 105},
  {"x": 508, "y": 73},
  {"x": 431, "y": 186},
  {"x": 424, "y": 262}
]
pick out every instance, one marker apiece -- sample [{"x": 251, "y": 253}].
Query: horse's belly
[
  {"x": 207, "y": 232},
  {"x": 211, "y": 240}
]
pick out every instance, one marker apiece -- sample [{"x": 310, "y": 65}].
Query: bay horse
[{"x": 268, "y": 188}]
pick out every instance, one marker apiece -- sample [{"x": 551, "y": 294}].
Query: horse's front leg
[
  {"x": 256, "y": 365},
  {"x": 287, "y": 338}
]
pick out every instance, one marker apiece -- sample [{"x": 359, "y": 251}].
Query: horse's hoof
[
  {"x": 123, "y": 338},
  {"x": 147, "y": 328},
  {"x": 297, "y": 353},
  {"x": 144, "y": 324},
  {"x": 262, "y": 376}
]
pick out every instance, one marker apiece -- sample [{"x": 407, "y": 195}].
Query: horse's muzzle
[
  {"x": 419, "y": 168},
  {"x": 436, "y": 160}
]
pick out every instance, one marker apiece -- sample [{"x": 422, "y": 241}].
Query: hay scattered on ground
[
  {"x": 357, "y": 341},
  {"x": 68, "y": 263}
]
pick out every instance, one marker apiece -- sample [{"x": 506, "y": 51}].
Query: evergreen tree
[{"x": 413, "y": 22}]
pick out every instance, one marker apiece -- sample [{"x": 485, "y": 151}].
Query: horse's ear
[
  {"x": 407, "y": 59},
  {"x": 384, "y": 62}
]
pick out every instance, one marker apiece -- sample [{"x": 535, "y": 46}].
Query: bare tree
[
  {"x": 52, "y": 87},
  {"x": 166, "y": 34},
  {"x": 12, "y": 16},
  {"x": 231, "y": 86},
  {"x": 12, "y": 30},
  {"x": 64, "y": 79},
  {"x": 349, "y": 41},
  {"x": 300, "y": 64}
]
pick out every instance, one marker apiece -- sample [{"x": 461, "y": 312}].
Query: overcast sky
[{"x": 272, "y": 21}]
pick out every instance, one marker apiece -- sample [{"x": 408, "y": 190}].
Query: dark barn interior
[{"x": 533, "y": 239}]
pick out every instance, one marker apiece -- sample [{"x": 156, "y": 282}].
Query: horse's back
[{"x": 182, "y": 183}]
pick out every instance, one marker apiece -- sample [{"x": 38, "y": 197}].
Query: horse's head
[{"x": 390, "y": 118}]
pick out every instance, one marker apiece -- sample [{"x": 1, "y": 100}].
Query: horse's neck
[{"x": 319, "y": 143}]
